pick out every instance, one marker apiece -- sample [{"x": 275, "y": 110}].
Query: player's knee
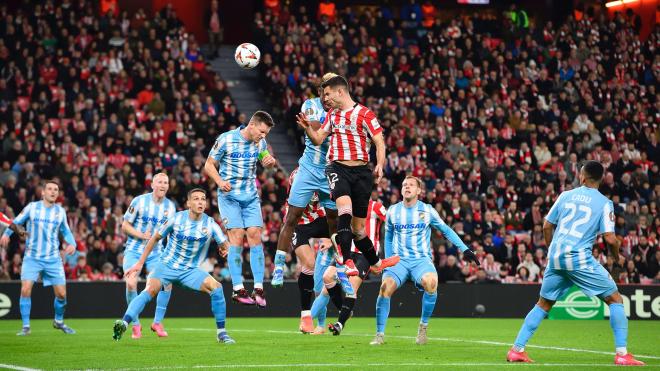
[
  {"x": 26, "y": 291},
  {"x": 387, "y": 287},
  {"x": 614, "y": 298},
  {"x": 168, "y": 287},
  {"x": 254, "y": 236},
  {"x": 131, "y": 284},
  {"x": 430, "y": 283},
  {"x": 329, "y": 275},
  {"x": 545, "y": 304}
]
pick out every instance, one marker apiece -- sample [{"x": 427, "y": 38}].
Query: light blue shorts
[
  {"x": 132, "y": 257},
  {"x": 324, "y": 259},
  {"x": 51, "y": 271},
  {"x": 593, "y": 281},
  {"x": 305, "y": 184},
  {"x": 240, "y": 212},
  {"x": 191, "y": 278},
  {"x": 410, "y": 269}
]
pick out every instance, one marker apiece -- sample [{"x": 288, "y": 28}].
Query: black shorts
[
  {"x": 361, "y": 264},
  {"x": 304, "y": 232},
  {"x": 353, "y": 181}
]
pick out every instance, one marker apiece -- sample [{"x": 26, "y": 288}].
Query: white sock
[
  {"x": 378, "y": 263},
  {"x": 238, "y": 287},
  {"x": 305, "y": 313},
  {"x": 259, "y": 286},
  {"x": 220, "y": 331},
  {"x": 59, "y": 322},
  {"x": 518, "y": 349},
  {"x": 622, "y": 351}
]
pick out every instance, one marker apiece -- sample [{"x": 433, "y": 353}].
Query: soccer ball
[{"x": 247, "y": 55}]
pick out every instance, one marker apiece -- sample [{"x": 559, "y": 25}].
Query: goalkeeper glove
[{"x": 470, "y": 256}]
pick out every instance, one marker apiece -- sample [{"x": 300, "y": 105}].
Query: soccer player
[
  {"x": 146, "y": 214},
  {"x": 375, "y": 217},
  {"x": 8, "y": 223},
  {"x": 237, "y": 152},
  {"x": 45, "y": 220},
  {"x": 310, "y": 181},
  {"x": 580, "y": 215},
  {"x": 408, "y": 235},
  {"x": 189, "y": 235},
  {"x": 353, "y": 127},
  {"x": 313, "y": 224}
]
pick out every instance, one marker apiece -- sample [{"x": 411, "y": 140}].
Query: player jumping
[
  {"x": 581, "y": 214},
  {"x": 353, "y": 127},
  {"x": 45, "y": 221},
  {"x": 309, "y": 181},
  {"x": 237, "y": 152},
  {"x": 189, "y": 235},
  {"x": 408, "y": 235},
  {"x": 145, "y": 214}
]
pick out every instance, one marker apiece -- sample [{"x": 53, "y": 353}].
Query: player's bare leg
[{"x": 284, "y": 243}]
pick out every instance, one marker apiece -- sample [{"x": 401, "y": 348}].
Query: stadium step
[{"x": 243, "y": 85}]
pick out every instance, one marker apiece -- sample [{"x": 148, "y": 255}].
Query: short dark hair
[
  {"x": 52, "y": 181},
  {"x": 337, "y": 81},
  {"x": 194, "y": 190},
  {"x": 263, "y": 117},
  {"x": 593, "y": 170}
]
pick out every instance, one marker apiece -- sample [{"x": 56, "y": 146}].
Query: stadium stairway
[{"x": 243, "y": 87}]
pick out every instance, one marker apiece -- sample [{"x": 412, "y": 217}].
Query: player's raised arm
[
  {"x": 211, "y": 165},
  {"x": 439, "y": 224},
  {"x": 316, "y": 136}
]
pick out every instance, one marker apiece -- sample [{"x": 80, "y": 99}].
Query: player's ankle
[
  {"x": 518, "y": 349},
  {"x": 238, "y": 287},
  {"x": 621, "y": 351},
  {"x": 259, "y": 285}
]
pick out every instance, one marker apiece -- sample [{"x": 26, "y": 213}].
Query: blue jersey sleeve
[
  {"x": 21, "y": 219},
  {"x": 608, "y": 218},
  {"x": 66, "y": 231},
  {"x": 219, "y": 148},
  {"x": 553, "y": 214},
  {"x": 263, "y": 145},
  {"x": 167, "y": 227},
  {"x": 389, "y": 233},
  {"x": 216, "y": 233},
  {"x": 439, "y": 224},
  {"x": 132, "y": 211}
]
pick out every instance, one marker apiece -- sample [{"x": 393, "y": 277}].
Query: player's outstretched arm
[
  {"x": 22, "y": 233},
  {"x": 452, "y": 236},
  {"x": 316, "y": 136},
  {"x": 548, "y": 231},
  {"x": 137, "y": 268}
]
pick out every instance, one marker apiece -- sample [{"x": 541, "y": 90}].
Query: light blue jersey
[
  {"x": 314, "y": 155},
  {"x": 146, "y": 215},
  {"x": 43, "y": 225},
  {"x": 237, "y": 158},
  {"x": 408, "y": 231},
  {"x": 188, "y": 240},
  {"x": 580, "y": 215}
]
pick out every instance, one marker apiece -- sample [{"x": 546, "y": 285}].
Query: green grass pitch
[{"x": 274, "y": 343}]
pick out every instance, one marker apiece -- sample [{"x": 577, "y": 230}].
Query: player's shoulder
[{"x": 364, "y": 110}]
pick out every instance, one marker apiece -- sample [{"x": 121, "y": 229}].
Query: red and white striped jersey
[
  {"x": 4, "y": 220},
  {"x": 351, "y": 132},
  {"x": 375, "y": 218},
  {"x": 314, "y": 209}
]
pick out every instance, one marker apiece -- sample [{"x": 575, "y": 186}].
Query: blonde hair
[{"x": 419, "y": 181}]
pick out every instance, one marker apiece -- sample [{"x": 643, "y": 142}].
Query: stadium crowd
[
  {"x": 102, "y": 102},
  {"x": 494, "y": 116}
]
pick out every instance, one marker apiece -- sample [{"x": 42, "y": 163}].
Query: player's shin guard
[
  {"x": 25, "y": 304},
  {"x": 382, "y": 312},
  {"x": 257, "y": 265},
  {"x": 345, "y": 235},
  {"x": 130, "y": 295},
  {"x": 59, "y": 305},
  {"x": 219, "y": 307},
  {"x": 619, "y": 324},
  {"x": 336, "y": 294},
  {"x": 306, "y": 287},
  {"x": 137, "y": 306},
  {"x": 346, "y": 310},
  {"x": 162, "y": 300},
  {"x": 532, "y": 322},
  {"x": 320, "y": 308},
  {"x": 235, "y": 262},
  {"x": 366, "y": 247},
  {"x": 428, "y": 304}
]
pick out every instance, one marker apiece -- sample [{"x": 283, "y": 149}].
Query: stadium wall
[{"x": 106, "y": 300}]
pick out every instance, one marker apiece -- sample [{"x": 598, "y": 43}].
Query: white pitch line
[
  {"x": 19, "y": 368},
  {"x": 483, "y": 342}
]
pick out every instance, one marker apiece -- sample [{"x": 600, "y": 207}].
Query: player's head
[
  {"x": 326, "y": 77},
  {"x": 160, "y": 184},
  {"x": 592, "y": 173},
  {"x": 51, "y": 191},
  {"x": 196, "y": 200},
  {"x": 259, "y": 126},
  {"x": 335, "y": 91},
  {"x": 411, "y": 188}
]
